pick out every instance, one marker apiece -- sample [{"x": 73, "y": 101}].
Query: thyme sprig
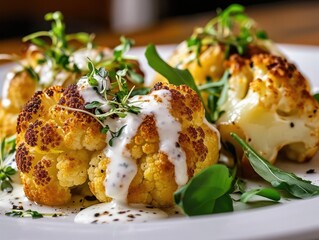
[
  {"x": 231, "y": 28},
  {"x": 7, "y": 149},
  {"x": 31, "y": 213}
]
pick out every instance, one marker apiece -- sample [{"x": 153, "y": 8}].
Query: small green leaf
[
  {"x": 279, "y": 179},
  {"x": 140, "y": 91},
  {"x": 135, "y": 77},
  {"x": 316, "y": 96},
  {"x": 269, "y": 193},
  {"x": 201, "y": 194},
  {"x": 105, "y": 129},
  {"x": 92, "y": 81},
  {"x": 115, "y": 135},
  {"x": 173, "y": 75},
  {"x": 94, "y": 104}
]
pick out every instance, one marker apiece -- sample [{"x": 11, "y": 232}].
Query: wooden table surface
[{"x": 292, "y": 23}]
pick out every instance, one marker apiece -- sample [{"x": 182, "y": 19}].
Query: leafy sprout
[
  {"x": 120, "y": 61},
  {"x": 114, "y": 98},
  {"x": 231, "y": 28},
  {"x": 7, "y": 149},
  {"x": 58, "y": 51}
]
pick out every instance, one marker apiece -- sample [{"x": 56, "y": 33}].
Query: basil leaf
[
  {"x": 205, "y": 192},
  {"x": 278, "y": 178},
  {"x": 269, "y": 193}
]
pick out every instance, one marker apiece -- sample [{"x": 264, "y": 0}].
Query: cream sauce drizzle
[
  {"x": 115, "y": 212},
  {"x": 122, "y": 168}
]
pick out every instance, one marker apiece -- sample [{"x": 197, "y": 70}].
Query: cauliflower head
[
  {"x": 270, "y": 105},
  {"x": 54, "y": 145},
  {"x": 154, "y": 182},
  {"x": 59, "y": 149}
]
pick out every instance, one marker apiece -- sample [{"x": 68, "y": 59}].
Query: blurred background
[{"x": 156, "y": 21}]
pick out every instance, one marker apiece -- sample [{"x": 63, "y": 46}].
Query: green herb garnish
[
  {"x": 120, "y": 61},
  {"x": 316, "y": 96},
  {"x": 231, "y": 28},
  {"x": 217, "y": 90},
  {"x": 30, "y": 213},
  {"x": 269, "y": 193},
  {"x": 7, "y": 149},
  {"x": 115, "y": 98},
  {"x": 278, "y": 178},
  {"x": 58, "y": 52},
  {"x": 207, "y": 192}
]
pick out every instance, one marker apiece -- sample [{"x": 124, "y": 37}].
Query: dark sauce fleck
[
  {"x": 310, "y": 171},
  {"x": 292, "y": 124}
]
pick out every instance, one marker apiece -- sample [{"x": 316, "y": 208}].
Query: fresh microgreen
[
  {"x": 278, "y": 178},
  {"x": 121, "y": 49},
  {"x": 121, "y": 61},
  {"x": 32, "y": 73},
  {"x": 114, "y": 98},
  {"x": 31, "y": 214},
  {"x": 59, "y": 51},
  {"x": 231, "y": 28},
  {"x": 207, "y": 192},
  {"x": 7, "y": 149},
  {"x": 115, "y": 135}
]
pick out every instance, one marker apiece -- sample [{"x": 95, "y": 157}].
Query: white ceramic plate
[{"x": 297, "y": 219}]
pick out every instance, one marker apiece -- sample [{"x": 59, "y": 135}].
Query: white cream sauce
[
  {"x": 115, "y": 212},
  {"x": 122, "y": 168},
  {"x": 6, "y": 102}
]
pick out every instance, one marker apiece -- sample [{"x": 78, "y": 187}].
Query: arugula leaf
[
  {"x": 269, "y": 193},
  {"x": 207, "y": 192},
  {"x": 279, "y": 179},
  {"x": 173, "y": 75}
]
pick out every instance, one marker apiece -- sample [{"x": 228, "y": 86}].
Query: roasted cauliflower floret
[
  {"x": 270, "y": 105},
  {"x": 154, "y": 182},
  {"x": 54, "y": 145}
]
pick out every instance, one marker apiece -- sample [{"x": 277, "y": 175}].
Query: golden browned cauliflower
[
  {"x": 29, "y": 76},
  {"x": 58, "y": 148},
  {"x": 154, "y": 182},
  {"x": 204, "y": 53},
  {"x": 270, "y": 105},
  {"x": 54, "y": 145}
]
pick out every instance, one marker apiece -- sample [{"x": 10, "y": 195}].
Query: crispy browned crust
[
  {"x": 51, "y": 140},
  {"x": 154, "y": 182}
]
